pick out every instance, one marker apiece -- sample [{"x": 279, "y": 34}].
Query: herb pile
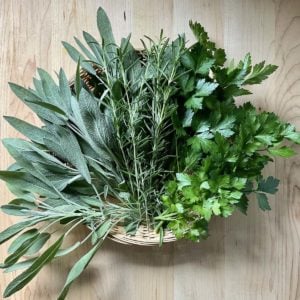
[{"x": 154, "y": 137}]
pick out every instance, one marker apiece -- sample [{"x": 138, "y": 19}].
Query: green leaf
[
  {"x": 205, "y": 66},
  {"x": 216, "y": 208},
  {"x": 34, "y": 133},
  {"x": 50, "y": 107},
  {"x": 65, "y": 145},
  {"x": 179, "y": 207},
  {"x": 236, "y": 75},
  {"x": 104, "y": 229},
  {"x": 20, "y": 193},
  {"x": 194, "y": 102},
  {"x": 21, "y": 250},
  {"x": 259, "y": 73},
  {"x": 20, "y": 265},
  {"x": 57, "y": 177},
  {"x": 20, "y": 281},
  {"x": 78, "y": 84},
  {"x": 63, "y": 252},
  {"x": 31, "y": 100},
  {"x": 187, "y": 83},
  {"x": 50, "y": 88},
  {"x": 269, "y": 185},
  {"x": 203, "y": 127},
  {"x": 242, "y": 205},
  {"x": 76, "y": 56},
  {"x": 295, "y": 137},
  {"x": 225, "y": 126},
  {"x": 132, "y": 62},
  {"x": 265, "y": 138},
  {"x": 201, "y": 35},
  {"x": 41, "y": 164},
  {"x": 95, "y": 47},
  {"x": 39, "y": 90},
  {"x": 86, "y": 52},
  {"x": 188, "y": 117},
  {"x": 183, "y": 180},
  {"x": 77, "y": 269},
  {"x": 188, "y": 61},
  {"x": 239, "y": 183},
  {"x": 105, "y": 30},
  {"x": 283, "y": 151},
  {"x": 202, "y": 142},
  {"x": 263, "y": 201},
  {"x": 205, "y": 88},
  {"x": 204, "y": 185},
  {"x": 204, "y": 130},
  {"x": 21, "y": 239},
  {"x": 65, "y": 90},
  {"x": 28, "y": 183},
  {"x": 73, "y": 52},
  {"x": 220, "y": 56},
  {"x": 14, "y": 229},
  {"x": 18, "y": 207},
  {"x": 96, "y": 128},
  {"x": 243, "y": 69},
  {"x": 236, "y": 195},
  {"x": 38, "y": 243}
]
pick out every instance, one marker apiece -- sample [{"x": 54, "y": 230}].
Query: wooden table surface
[{"x": 254, "y": 257}]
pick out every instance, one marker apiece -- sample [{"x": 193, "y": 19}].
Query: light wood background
[{"x": 254, "y": 257}]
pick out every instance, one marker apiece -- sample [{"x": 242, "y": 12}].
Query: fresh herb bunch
[
  {"x": 222, "y": 147},
  {"x": 153, "y": 137}
]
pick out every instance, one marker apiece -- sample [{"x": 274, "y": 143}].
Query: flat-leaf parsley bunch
[{"x": 141, "y": 137}]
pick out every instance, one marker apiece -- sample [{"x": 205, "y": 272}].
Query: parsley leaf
[
  {"x": 283, "y": 151},
  {"x": 269, "y": 185},
  {"x": 263, "y": 201},
  {"x": 204, "y": 88},
  {"x": 183, "y": 180},
  {"x": 259, "y": 73},
  {"x": 225, "y": 126}
]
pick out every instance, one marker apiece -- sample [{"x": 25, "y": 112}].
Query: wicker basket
[{"x": 144, "y": 236}]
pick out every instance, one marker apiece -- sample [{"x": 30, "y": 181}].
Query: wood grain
[{"x": 254, "y": 257}]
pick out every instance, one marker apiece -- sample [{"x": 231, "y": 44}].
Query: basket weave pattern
[{"x": 143, "y": 237}]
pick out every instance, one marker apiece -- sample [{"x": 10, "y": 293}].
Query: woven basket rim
[{"x": 144, "y": 236}]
